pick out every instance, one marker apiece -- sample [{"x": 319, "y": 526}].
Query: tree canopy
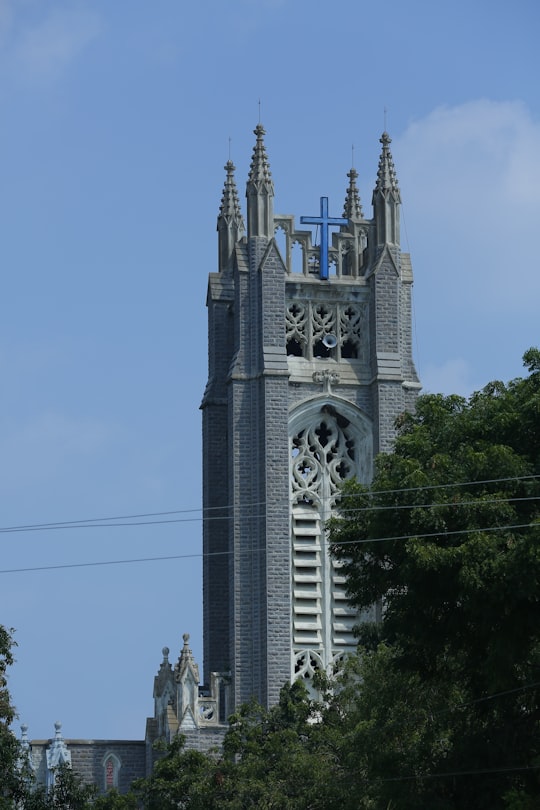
[
  {"x": 447, "y": 540},
  {"x": 272, "y": 759},
  {"x": 18, "y": 789},
  {"x": 9, "y": 787}
]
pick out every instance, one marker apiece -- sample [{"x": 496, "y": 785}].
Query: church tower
[{"x": 309, "y": 366}]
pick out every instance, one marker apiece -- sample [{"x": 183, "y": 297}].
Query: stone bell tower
[{"x": 309, "y": 366}]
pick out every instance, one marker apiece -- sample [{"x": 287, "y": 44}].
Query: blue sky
[{"x": 116, "y": 119}]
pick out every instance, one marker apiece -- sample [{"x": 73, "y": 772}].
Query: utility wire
[
  {"x": 523, "y": 688},
  {"x": 109, "y": 562},
  {"x": 39, "y": 527},
  {"x": 478, "y": 772},
  {"x": 101, "y": 522},
  {"x": 84, "y": 521},
  {"x": 261, "y": 549},
  {"x": 373, "y": 492},
  {"x": 442, "y": 504},
  {"x": 442, "y": 533}
]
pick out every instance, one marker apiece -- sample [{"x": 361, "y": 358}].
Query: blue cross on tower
[{"x": 324, "y": 221}]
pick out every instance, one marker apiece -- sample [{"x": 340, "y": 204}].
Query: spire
[
  {"x": 186, "y": 661},
  {"x": 25, "y": 754},
  {"x": 229, "y": 209},
  {"x": 186, "y": 674},
  {"x": 386, "y": 173},
  {"x": 352, "y": 208},
  {"x": 164, "y": 676},
  {"x": 230, "y": 222},
  {"x": 57, "y": 754},
  {"x": 260, "y": 190},
  {"x": 386, "y": 197},
  {"x": 25, "y": 744}
]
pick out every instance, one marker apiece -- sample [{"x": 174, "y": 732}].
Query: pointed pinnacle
[
  {"x": 386, "y": 173},
  {"x": 352, "y": 208},
  {"x": 259, "y": 171},
  {"x": 230, "y": 202}
]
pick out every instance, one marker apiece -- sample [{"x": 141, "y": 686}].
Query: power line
[
  {"x": 39, "y": 527},
  {"x": 422, "y": 487},
  {"x": 107, "y": 562},
  {"x": 97, "y": 523},
  {"x": 132, "y": 520},
  {"x": 441, "y": 533},
  {"x": 452, "y": 504},
  {"x": 513, "y": 691},
  {"x": 478, "y": 772},
  {"x": 259, "y": 549},
  {"x": 87, "y": 521}
]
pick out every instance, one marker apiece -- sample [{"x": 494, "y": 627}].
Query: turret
[
  {"x": 260, "y": 191},
  {"x": 386, "y": 197},
  {"x": 230, "y": 223}
]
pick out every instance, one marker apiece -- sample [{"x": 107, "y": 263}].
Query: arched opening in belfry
[{"x": 330, "y": 441}]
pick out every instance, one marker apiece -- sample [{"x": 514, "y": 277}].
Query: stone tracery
[
  {"x": 327, "y": 443},
  {"x": 308, "y": 323}
]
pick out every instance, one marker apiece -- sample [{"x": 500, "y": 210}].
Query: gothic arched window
[
  {"x": 330, "y": 441},
  {"x": 111, "y": 768}
]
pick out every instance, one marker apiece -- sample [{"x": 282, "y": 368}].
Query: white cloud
[
  {"x": 40, "y": 48},
  {"x": 470, "y": 176}
]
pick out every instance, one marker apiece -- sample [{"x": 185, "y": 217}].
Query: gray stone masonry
[
  {"x": 88, "y": 760},
  {"x": 286, "y": 347}
]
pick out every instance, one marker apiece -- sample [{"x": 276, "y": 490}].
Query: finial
[
  {"x": 58, "y": 728},
  {"x": 165, "y": 652},
  {"x": 186, "y": 639}
]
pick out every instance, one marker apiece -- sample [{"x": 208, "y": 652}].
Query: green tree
[
  {"x": 285, "y": 758},
  {"x": 9, "y": 750},
  {"x": 69, "y": 792},
  {"x": 181, "y": 779},
  {"x": 447, "y": 540},
  {"x": 18, "y": 790},
  {"x": 112, "y": 800}
]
